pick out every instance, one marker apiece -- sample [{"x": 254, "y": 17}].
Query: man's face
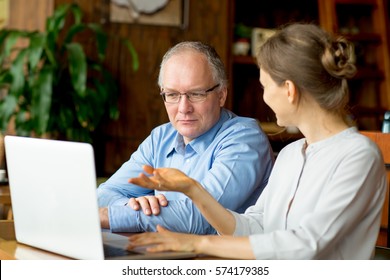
[{"x": 189, "y": 71}]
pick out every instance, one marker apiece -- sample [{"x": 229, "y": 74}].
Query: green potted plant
[{"x": 57, "y": 84}]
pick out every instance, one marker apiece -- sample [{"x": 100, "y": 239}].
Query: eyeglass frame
[{"x": 202, "y": 92}]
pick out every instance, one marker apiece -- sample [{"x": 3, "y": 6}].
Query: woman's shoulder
[{"x": 347, "y": 141}]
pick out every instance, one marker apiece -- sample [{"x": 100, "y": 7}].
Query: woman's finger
[{"x": 148, "y": 169}]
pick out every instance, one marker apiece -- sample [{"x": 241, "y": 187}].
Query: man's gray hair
[{"x": 214, "y": 60}]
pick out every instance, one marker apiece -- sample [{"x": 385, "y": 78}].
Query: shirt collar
[
  {"x": 329, "y": 141},
  {"x": 199, "y": 144}
]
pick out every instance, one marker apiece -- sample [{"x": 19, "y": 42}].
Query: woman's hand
[
  {"x": 170, "y": 179},
  {"x": 164, "y": 179},
  {"x": 165, "y": 240},
  {"x": 213, "y": 245}
]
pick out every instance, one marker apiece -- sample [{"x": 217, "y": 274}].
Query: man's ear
[
  {"x": 222, "y": 96},
  {"x": 292, "y": 92}
]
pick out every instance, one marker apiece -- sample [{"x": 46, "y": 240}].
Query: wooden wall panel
[
  {"x": 29, "y": 15},
  {"x": 141, "y": 107}
]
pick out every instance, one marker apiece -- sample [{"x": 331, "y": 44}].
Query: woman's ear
[{"x": 292, "y": 93}]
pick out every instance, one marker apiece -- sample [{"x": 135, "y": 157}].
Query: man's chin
[{"x": 188, "y": 133}]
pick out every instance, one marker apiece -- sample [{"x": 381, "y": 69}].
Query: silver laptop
[{"x": 54, "y": 201}]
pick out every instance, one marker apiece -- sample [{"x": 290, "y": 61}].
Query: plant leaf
[
  {"x": 65, "y": 119},
  {"x": 111, "y": 87},
  {"x": 133, "y": 54},
  {"x": 101, "y": 39},
  {"x": 3, "y": 38},
  {"x": 73, "y": 30},
  {"x": 3, "y": 35},
  {"x": 77, "y": 13},
  {"x": 17, "y": 71},
  {"x": 41, "y": 100},
  {"x": 37, "y": 43},
  {"x": 9, "y": 40},
  {"x": 50, "y": 54},
  {"x": 55, "y": 23},
  {"x": 7, "y": 108},
  {"x": 23, "y": 123},
  {"x": 5, "y": 79},
  {"x": 77, "y": 67}
]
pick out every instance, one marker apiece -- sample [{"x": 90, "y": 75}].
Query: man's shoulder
[
  {"x": 165, "y": 127},
  {"x": 164, "y": 131},
  {"x": 239, "y": 122}
]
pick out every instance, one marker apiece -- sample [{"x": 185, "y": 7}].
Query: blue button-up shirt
[{"x": 232, "y": 161}]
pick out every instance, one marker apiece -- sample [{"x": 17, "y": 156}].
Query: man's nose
[{"x": 185, "y": 105}]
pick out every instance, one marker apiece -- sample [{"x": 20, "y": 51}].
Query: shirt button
[{"x": 188, "y": 160}]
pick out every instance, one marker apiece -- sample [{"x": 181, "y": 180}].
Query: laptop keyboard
[{"x": 111, "y": 251}]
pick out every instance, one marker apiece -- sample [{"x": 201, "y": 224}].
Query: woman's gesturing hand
[{"x": 164, "y": 179}]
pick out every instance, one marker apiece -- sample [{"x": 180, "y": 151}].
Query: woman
[{"x": 326, "y": 191}]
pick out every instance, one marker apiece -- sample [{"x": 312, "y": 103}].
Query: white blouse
[{"x": 322, "y": 202}]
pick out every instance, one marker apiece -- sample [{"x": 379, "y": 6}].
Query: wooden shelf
[
  {"x": 354, "y": 2},
  {"x": 369, "y": 21},
  {"x": 244, "y": 59},
  {"x": 364, "y": 22},
  {"x": 245, "y": 88},
  {"x": 374, "y": 38},
  {"x": 369, "y": 73}
]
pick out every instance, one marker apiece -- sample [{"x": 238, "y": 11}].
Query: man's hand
[
  {"x": 149, "y": 204},
  {"x": 104, "y": 221}
]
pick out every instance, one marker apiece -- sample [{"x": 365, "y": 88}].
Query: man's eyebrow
[{"x": 177, "y": 91}]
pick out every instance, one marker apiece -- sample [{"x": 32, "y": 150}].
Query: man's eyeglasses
[{"x": 193, "y": 97}]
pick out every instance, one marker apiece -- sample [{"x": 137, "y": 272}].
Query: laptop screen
[{"x": 53, "y": 195}]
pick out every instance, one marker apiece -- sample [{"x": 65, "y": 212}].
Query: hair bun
[{"x": 341, "y": 63}]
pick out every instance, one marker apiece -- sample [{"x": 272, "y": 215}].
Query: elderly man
[{"x": 229, "y": 155}]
